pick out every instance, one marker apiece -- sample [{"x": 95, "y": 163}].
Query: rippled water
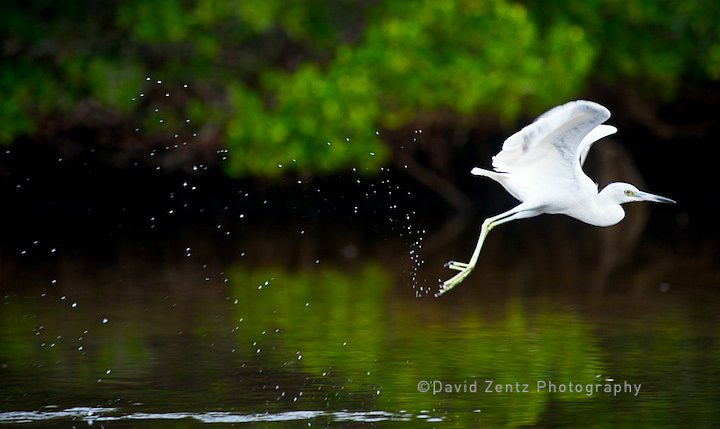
[{"x": 321, "y": 327}]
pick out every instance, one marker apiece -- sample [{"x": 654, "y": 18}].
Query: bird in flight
[{"x": 541, "y": 165}]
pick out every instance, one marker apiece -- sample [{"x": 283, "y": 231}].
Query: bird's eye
[{"x": 629, "y": 193}]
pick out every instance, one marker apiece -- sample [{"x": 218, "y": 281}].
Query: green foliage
[
  {"x": 306, "y": 85},
  {"x": 410, "y": 59},
  {"x": 656, "y": 44}
]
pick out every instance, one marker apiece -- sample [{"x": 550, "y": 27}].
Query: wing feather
[
  {"x": 553, "y": 141},
  {"x": 596, "y": 134}
]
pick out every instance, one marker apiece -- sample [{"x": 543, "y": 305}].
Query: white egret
[{"x": 541, "y": 165}]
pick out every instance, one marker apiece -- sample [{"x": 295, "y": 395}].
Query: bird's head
[{"x": 623, "y": 193}]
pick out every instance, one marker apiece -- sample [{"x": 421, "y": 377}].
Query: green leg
[
  {"x": 489, "y": 223},
  {"x": 465, "y": 268}
]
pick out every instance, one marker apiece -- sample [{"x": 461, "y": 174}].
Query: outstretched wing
[
  {"x": 557, "y": 141},
  {"x": 596, "y": 134}
]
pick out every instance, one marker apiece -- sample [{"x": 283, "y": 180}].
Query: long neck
[{"x": 610, "y": 211}]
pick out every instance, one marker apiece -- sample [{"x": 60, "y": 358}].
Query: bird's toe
[{"x": 455, "y": 265}]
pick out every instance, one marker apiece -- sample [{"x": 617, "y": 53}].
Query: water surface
[{"x": 301, "y": 326}]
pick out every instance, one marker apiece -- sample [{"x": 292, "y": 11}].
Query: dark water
[{"x": 320, "y": 326}]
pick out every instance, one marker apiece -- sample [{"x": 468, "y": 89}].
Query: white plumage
[{"x": 541, "y": 165}]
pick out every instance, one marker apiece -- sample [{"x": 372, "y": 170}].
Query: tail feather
[{"x": 482, "y": 172}]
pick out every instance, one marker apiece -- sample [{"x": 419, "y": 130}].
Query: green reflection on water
[
  {"x": 343, "y": 323},
  {"x": 330, "y": 339}
]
